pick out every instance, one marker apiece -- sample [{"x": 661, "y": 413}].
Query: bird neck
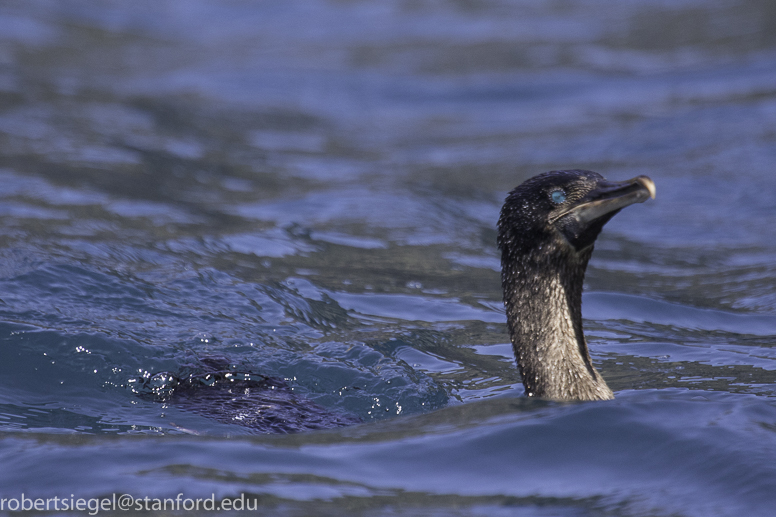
[{"x": 543, "y": 299}]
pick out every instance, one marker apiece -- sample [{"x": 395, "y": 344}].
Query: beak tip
[{"x": 648, "y": 184}]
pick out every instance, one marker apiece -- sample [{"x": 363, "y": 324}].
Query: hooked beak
[{"x": 608, "y": 197}]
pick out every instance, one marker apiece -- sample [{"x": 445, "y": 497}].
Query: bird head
[{"x": 567, "y": 208}]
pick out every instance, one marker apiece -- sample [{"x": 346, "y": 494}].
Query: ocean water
[{"x": 247, "y": 256}]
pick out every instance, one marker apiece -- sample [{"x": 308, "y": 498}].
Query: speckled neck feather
[{"x": 543, "y": 299}]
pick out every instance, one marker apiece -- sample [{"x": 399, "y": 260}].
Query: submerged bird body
[{"x": 547, "y": 229}]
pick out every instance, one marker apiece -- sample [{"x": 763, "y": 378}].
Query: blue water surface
[{"x": 247, "y": 253}]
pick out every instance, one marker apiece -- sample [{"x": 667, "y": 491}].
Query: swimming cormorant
[{"x": 546, "y": 232}]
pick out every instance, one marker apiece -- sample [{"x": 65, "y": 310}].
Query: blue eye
[{"x": 558, "y": 197}]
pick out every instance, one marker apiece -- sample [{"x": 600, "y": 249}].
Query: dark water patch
[
  {"x": 256, "y": 402},
  {"x": 716, "y": 473}
]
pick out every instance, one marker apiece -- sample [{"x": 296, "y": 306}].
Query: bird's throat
[{"x": 543, "y": 299}]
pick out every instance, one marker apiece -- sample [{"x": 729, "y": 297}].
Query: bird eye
[{"x": 558, "y": 197}]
